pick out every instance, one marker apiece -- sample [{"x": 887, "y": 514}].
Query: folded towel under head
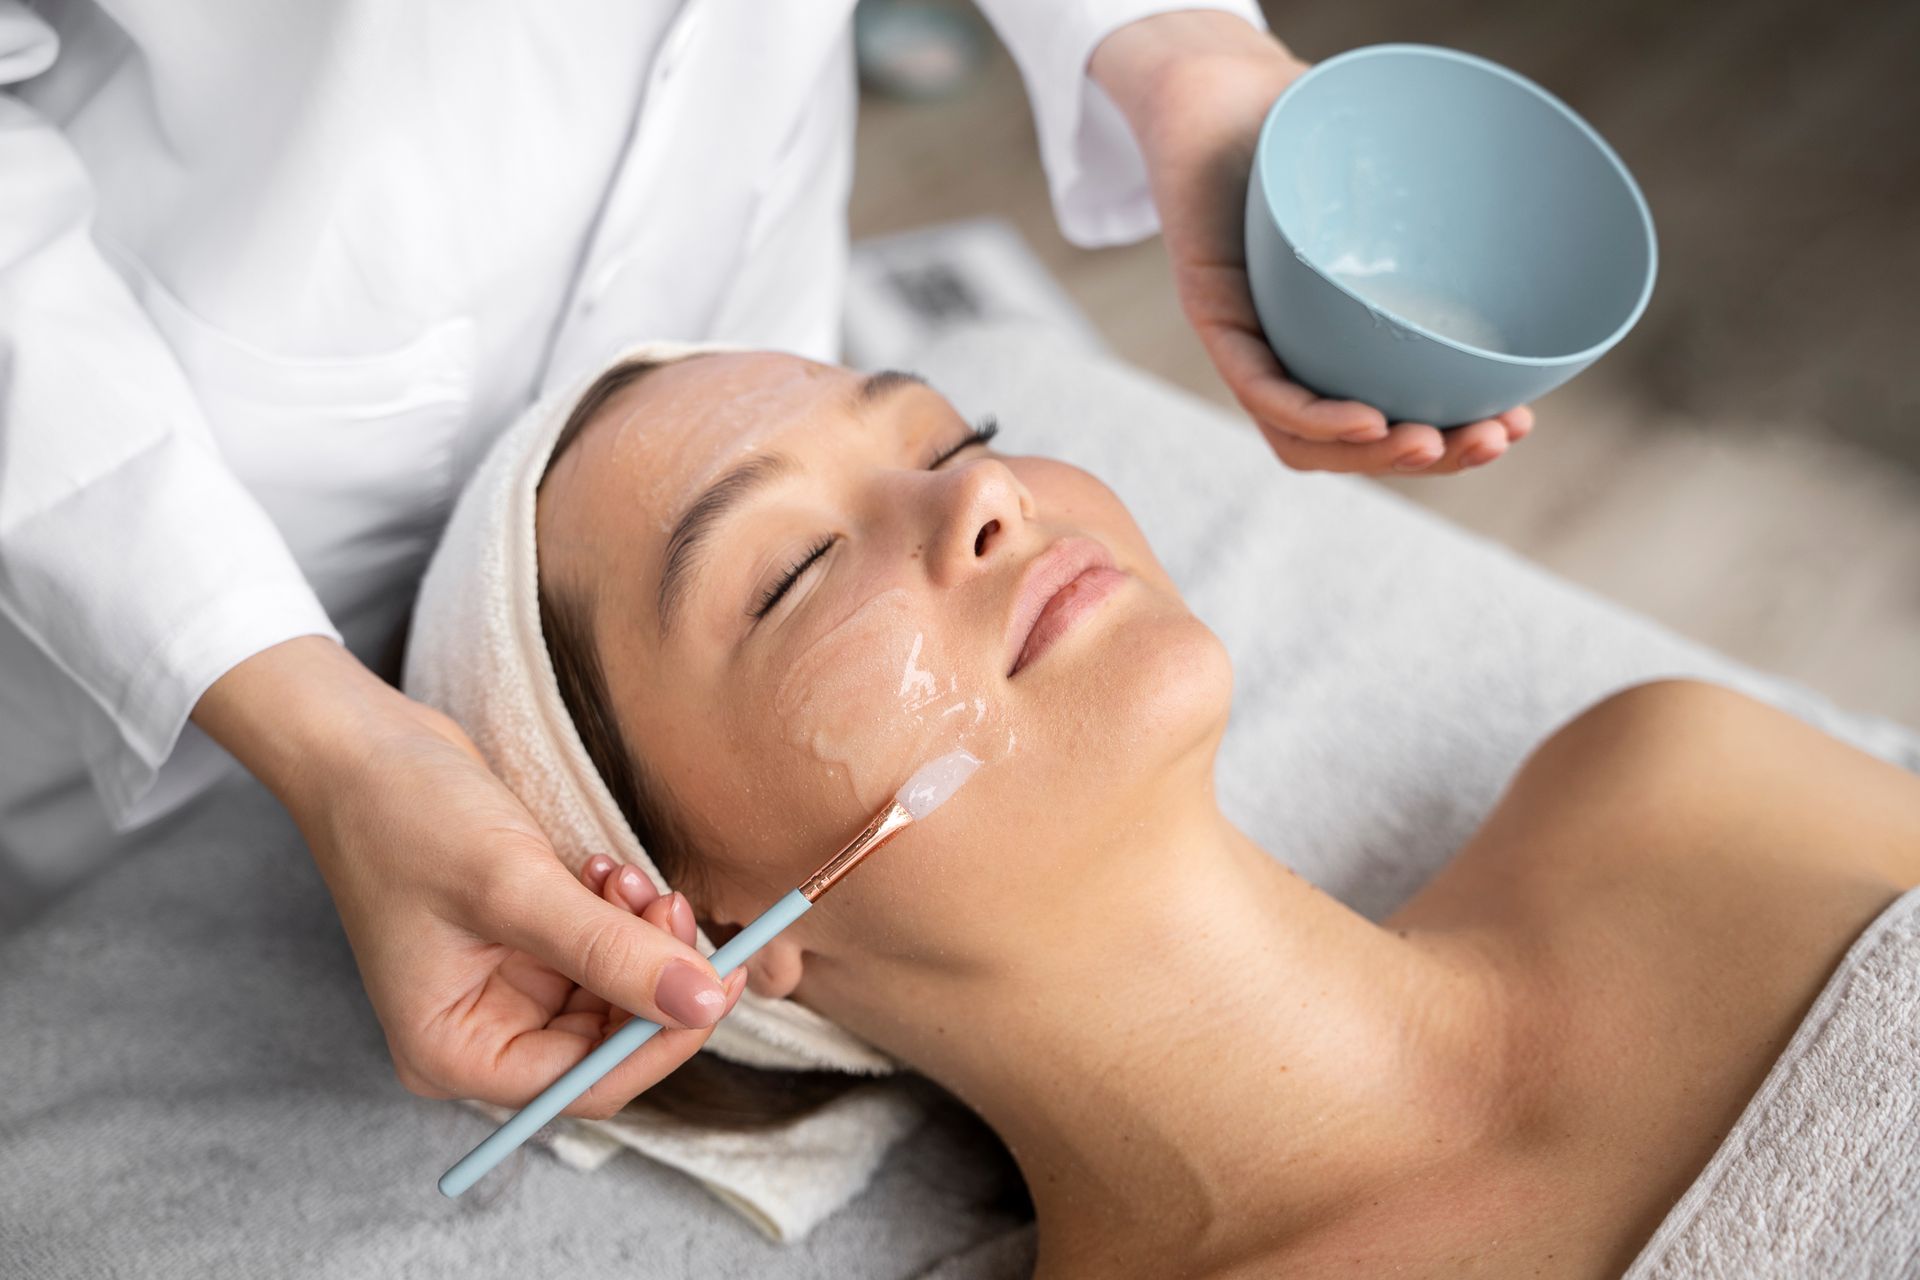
[{"x": 477, "y": 653}]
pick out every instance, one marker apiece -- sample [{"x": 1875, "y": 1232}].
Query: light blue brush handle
[{"x": 581, "y": 1076}]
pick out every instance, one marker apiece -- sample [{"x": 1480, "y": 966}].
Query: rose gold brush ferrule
[{"x": 885, "y": 825}]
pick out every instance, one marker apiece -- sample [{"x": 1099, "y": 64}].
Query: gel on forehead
[
  {"x": 874, "y": 698},
  {"x": 693, "y": 420}
]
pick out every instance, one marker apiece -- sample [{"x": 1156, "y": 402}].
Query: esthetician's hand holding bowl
[
  {"x": 1196, "y": 88},
  {"x": 1431, "y": 233}
]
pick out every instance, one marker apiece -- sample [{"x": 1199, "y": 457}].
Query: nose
[{"x": 980, "y": 513}]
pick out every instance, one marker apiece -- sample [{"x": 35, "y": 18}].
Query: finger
[
  {"x": 527, "y": 1064},
  {"x": 531, "y": 1060},
  {"x": 659, "y": 913},
  {"x": 619, "y": 1018},
  {"x": 1519, "y": 420},
  {"x": 610, "y": 887},
  {"x": 629, "y": 889},
  {"x": 545, "y": 992},
  {"x": 594, "y": 1023},
  {"x": 1409, "y": 446},
  {"x": 587, "y": 1025},
  {"x": 581, "y": 1000},
  {"x": 1471, "y": 446},
  {"x": 1260, "y": 384},
  {"x": 542, "y": 910},
  {"x": 594, "y": 873},
  {"x": 683, "y": 926},
  {"x": 673, "y": 913},
  {"x": 632, "y": 1078}
]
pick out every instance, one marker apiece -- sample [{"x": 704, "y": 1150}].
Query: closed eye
[
  {"x": 771, "y": 596},
  {"x": 983, "y": 431},
  {"x": 986, "y": 429}
]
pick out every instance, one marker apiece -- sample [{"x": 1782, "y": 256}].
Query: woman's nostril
[{"x": 987, "y": 530}]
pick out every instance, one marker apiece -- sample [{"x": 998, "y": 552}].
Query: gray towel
[{"x": 1821, "y": 1175}]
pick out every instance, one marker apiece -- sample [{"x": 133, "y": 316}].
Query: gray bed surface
[{"x": 196, "y": 1086}]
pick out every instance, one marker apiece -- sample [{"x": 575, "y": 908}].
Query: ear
[{"x": 775, "y": 970}]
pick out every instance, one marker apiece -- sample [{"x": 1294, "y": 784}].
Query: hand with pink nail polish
[
  {"x": 594, "y": 1019},
  {"x": 492, "y": 968}
]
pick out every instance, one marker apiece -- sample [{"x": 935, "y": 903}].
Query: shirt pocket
[{"x": 354, "y": 458}]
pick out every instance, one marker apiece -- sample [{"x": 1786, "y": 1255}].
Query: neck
[{"x": 1208, "y": 1056}]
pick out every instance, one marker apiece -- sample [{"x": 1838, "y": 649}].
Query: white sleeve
[
  {"x": 129, "y": 551},
  {"x": 1095, "y": 173}
]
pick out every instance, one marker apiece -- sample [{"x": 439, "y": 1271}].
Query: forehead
[
  {"x": 609, "y": 502},
  {"x": 677, "y": 428},
  {"x": 661, "y": 439}
]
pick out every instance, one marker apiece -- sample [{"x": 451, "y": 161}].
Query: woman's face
[{"x": 802, "y": 588}]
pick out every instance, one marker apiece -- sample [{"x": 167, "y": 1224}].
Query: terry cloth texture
[{"x": 1821, "y": 1174}]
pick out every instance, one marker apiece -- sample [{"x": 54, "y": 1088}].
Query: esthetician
[{"x": 272, "y": 275}]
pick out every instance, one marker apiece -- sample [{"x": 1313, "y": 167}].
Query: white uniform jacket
[{"x": 273, "y": 273}]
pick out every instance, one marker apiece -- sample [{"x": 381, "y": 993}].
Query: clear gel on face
[{"x": 875, "y": 695}]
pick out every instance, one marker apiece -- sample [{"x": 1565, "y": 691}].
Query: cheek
[
  {"x": 1099, "y": 751},
  {"x": 796, "y": 766},
  {"x": 879, "y": 695}
]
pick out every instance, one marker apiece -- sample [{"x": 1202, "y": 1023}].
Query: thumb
[{"x": 628, "y": 962}]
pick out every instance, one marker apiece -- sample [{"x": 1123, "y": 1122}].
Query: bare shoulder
[
  {"x": 1681, "y": 751},
  {"x": 1677, "y": 713}
]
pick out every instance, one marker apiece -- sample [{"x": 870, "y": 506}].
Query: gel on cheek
[{"x": 874, "y": 699}]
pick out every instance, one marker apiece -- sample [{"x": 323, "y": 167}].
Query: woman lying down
[{"x": 771, "y": 589}]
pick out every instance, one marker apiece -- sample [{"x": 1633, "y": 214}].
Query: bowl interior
[{"x": 1450, "y": 193}]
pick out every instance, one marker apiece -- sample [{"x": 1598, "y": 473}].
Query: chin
[
  {"x": 1128, "y": 710},
  {"x": 1162, "y": 690}
]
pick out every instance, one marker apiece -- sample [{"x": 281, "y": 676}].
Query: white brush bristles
[{"x": 934, "y": 783}]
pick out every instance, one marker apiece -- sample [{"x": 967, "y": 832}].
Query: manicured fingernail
[
  {"x": 1413, "y": 462},
  {"x": 689, "y": 996},
  {"x": 680, "y": 916},
  {"x": 633, "y": 888},
  {"x": 1474, "y": 457},
  {"x": 1364, "y": 435},
  {"x": 598, "y": 866},
  {"x": 735, "y": 985}
]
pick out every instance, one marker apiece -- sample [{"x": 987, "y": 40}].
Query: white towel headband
[{"x": 476, "y": 652}]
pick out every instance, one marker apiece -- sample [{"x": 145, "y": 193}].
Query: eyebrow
[
  {"x": 695, "y": 528},
  {"x": 877, "y": 386}
]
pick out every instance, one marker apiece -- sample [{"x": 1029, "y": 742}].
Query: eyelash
[
  {"x": 791, "y": 576},
  {"x": 983, "y": 431}
]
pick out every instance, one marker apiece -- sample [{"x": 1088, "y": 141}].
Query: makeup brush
[{"x": 929, "y": 788}]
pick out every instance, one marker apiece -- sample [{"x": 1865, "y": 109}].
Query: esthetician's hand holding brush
[
  {"x": 929, "y": 787},
  {"x": 491, "y": 968},
  {"x": 1195, "y": 88}
]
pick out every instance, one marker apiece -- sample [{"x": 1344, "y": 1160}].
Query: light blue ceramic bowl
[{"x": 1438, "y": 237}]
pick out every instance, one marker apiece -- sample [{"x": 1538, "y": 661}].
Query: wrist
[
  {"x": 1134, "y": 63},
  {"x": 297, "y": 714}
]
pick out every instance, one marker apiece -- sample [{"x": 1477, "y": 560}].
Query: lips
[{"x": 1062, "y": 585}]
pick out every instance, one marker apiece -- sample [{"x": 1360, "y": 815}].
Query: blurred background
[{"x": 1743, "y": 467}]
